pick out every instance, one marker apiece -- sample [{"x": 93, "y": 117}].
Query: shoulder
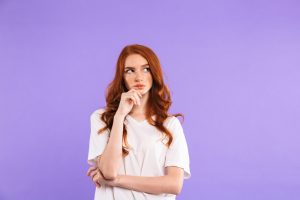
[
  {"x": 176, "y": 129},
  {"x": 172, "y": 122},
  {"x": 96, "y": 114}
]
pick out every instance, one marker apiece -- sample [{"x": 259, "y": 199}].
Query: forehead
[{"x": 135, "y": 60}]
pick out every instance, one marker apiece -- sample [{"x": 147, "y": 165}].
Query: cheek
[
  {"x": 150, "y": 80},
  {"x": 128, "y": 81}
]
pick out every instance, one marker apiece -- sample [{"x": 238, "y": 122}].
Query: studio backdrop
[{"x": 233, "y": 69}]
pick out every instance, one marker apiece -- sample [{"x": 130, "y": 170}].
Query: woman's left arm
[{"x": 171, "y": 183}]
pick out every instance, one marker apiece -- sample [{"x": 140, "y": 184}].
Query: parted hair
[{"x": 159, "y": 100}]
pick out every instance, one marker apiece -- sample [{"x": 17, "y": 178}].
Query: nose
[{"x": 139, "y": 76}]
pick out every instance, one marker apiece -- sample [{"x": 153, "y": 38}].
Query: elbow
[
  {"x": 176, "y": 189},
  {"x": 108, "y": 173}
]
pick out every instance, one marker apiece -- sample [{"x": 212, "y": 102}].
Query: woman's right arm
[{"x": 111, "y": 158}]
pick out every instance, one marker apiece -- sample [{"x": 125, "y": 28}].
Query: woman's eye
[
  {"x": 128, "y": 71},
  {"x": 147, "y": 69}
]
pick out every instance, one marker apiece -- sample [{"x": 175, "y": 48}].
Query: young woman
[{"x": 137, "y": 149}]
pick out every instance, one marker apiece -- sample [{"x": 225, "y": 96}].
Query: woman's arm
[
  {"x": 111, "y": 158},
  {"x": 171, "y": 183}
]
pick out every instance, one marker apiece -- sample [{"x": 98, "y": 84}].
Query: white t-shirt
[{"x": 148, "y": 157}]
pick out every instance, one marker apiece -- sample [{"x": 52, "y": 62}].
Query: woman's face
[{"x": 137, "y": 73}]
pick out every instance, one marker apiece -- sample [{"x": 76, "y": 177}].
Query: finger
[
  {"x": 138, "y": 92},
  {"x": 97, "y": 185},
  {"x": 137, "y": 97},
  {"x": 132, "y": 98},
  {"x": 95, "y": 178},
  {"x": 94, "y": 173},
  {"x": 91, "y": 169},
  {"x": 88, "y": 172}
]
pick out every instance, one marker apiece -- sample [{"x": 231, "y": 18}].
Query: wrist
[
  {"x": 117, "y": 181},
  {"x": 119, "y": 116}
]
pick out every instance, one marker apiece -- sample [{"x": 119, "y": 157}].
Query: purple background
[{"x": 233, "y": 68}]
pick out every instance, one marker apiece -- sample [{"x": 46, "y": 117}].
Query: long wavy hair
[{"x": 159, "y": 100}]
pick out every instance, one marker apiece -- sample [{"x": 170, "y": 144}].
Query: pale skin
[{"x": 133, "y": 103}]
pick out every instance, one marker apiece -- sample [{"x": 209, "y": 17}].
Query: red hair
[{"x": 159, "y": 100}]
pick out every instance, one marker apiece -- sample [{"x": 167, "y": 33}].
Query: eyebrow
[{"x": 134, "y": 67}]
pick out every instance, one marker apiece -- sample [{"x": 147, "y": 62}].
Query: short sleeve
[
  {"x": 177, "y": 154},
  {"x": 97, "y": 141}
]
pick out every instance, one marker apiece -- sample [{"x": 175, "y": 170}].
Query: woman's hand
[
  {"x": 93, "y": 173},
  {"x": 98, "y": 178},
  {"x": 128, "y": 99}
]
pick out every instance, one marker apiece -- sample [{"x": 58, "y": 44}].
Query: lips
[{"x": 139, "y": 86}]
